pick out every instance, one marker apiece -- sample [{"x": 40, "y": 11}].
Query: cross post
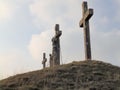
[
  {"x": 44, "y": 60},
  {"x": 51, "y": 60},
  {"x": 84, "y": 23}
]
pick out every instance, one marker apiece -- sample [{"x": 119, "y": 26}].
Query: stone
[
  {"x": 56, "y": 46},
  {"x": 84, "y": 22}
]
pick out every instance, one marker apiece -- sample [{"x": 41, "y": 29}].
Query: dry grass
[{"x": 73, "y": 76}]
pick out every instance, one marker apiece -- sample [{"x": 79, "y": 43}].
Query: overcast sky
[{"x": 27, "y": 26}]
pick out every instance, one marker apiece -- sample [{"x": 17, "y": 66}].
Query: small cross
[
  {"x": 84, "y": 22},
  {"x": 44, "y": 60}
]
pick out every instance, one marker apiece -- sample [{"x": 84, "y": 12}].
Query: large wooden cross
[
  {"x": 56, "y": 46},
  {"x": 44, "y": 60},
  {"x": 84, "y": 22}
]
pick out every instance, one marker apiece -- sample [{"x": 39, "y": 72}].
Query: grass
[{"x": 73, "y": 75}]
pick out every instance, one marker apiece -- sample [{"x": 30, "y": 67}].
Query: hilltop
[{"x": 83, "y": 75}]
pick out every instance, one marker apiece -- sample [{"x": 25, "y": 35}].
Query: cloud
[
  {"x": 104, "y": 20},
  {"x": 39, "y": 44},
  {"x": 48, "y": 13},
  {"x": 6, "y": 10},
  {"x": 71, "y": 47},
  {"x": 15, "y": 61},
  {"x": 105, "y": 45},
  {"x": 105, "y": 32},
  {"x": 9, "y": 61},
  {"x": 24, "y": 1}
]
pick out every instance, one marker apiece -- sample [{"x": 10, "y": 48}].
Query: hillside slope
[{"x": 83, "y": 75}]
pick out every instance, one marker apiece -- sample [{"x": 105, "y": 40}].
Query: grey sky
[{"x": 27, "y": 26}]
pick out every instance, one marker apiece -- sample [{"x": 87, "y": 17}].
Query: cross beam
[
  {"x": 57, "y": 31},
  {"x": 84, "y": 22}
]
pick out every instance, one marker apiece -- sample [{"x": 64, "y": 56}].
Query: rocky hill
[{"x": 83, "y": 75}]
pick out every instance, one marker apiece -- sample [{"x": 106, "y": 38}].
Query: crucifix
[
  {"x": 56, "y": 46},
  {"x": 84, "y": 22},
  {"x": 44, "y": 60}
]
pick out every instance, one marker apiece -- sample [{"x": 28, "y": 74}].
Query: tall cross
[
  {"x": 58, "y": 33},
  {"x": 56, "y": 46},
  {"x": 44, "y": 60},
  {"x": 84, "y": 22}
]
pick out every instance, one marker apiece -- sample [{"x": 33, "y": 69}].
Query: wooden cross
[
  {"x": 56, "y": 46},
  {"x": 58, "y": 33},
  {"x": 44, "y": 60},
  {"x": 84, "y": 22}
]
